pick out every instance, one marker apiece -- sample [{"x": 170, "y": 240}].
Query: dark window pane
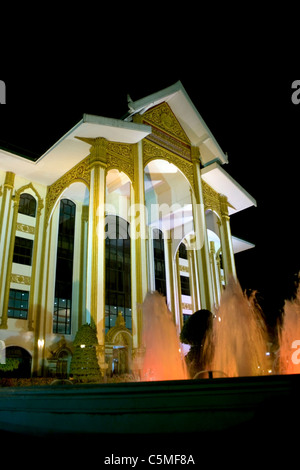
[
  {"x": 18, "y": 304},
  {"x": 118, "y": 271},
  {"x": 23, "y": 251},
  {"x": 182, "y": 251},
  {"x": 64, "y": 268},
  {"x": 27, "y": 205},
  {"x": 159, "y": 262},
  {"x": 185, "y": 285}
]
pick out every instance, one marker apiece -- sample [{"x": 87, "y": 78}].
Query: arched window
[
  {"x": 118, "y": 271},
  {"x": 27, "y": 205},
  {"x": 159, "y": 262},
  {"x": 64, "y": 268},
  {"x": 20, "y": 360},
  {"x": 184, "y": 280}
]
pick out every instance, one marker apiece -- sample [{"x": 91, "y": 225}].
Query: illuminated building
[{"x": 113, "y": 209}]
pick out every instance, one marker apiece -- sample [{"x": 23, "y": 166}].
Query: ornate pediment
[
  {"x": 163, "y": 118},
  {"x": 119, "y": 334}
]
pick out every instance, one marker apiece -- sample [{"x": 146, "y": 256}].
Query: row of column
[
  {"x": 203, "y": 277},
  {"x": 95, "y": 299}
]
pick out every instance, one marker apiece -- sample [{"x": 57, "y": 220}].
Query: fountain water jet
[
  {"x": 289, "y": 335},
  {"x": 238, "y": 337},
  {"x": 163, "y": 359}
]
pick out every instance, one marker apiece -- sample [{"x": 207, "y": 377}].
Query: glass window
[
  {"x": 23, "y": 251},
  {"x": 62, "y": 316},
  {"x": 182, "y": 251},
  {"x": 118, "y": 272},
  {"x": 159, "y": 262},
  {"x": 186, "y": 316},
  {"x": 64, "y": 268},
  {"x": 18, "y": 304},
  {"x": 185, "y": 285},
  {"x": 27, "y": 205}
]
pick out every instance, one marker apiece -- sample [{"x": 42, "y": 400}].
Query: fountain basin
[{"x": 166, "y": 407}]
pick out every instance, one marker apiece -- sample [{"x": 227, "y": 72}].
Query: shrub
[{"x": 84, "y": 364}]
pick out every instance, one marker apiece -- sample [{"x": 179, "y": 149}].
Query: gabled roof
[
  {"x": 188, "y": 117},
  {"x": 69, "y": 150},
  {"x": 238, "y": 198}
]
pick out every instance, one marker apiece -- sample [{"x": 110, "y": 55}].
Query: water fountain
[
  {"x": 163, "y": 359},
  {"x": 238, "y": 336},
  {"x": 289, "y": 337},
  {"x": 163, "y": 404}
]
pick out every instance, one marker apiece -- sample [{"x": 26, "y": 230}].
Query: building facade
[{"x": 116, "y": 208}]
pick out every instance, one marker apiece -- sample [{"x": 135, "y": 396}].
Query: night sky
[{"x": 240, "y": 85}]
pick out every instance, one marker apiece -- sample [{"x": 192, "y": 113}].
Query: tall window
[
  {"x": 18, "y": 304},
  {"x": 64, "y": 268},
  {"x": 23, "y": 251},
  {"x": 185, "y": 285},
  {"x": 159, "y": 262},
  {"x": 27, "y": 205},
  {"x": 184, "y": 280},
  {"x": 118, "y": 272}
]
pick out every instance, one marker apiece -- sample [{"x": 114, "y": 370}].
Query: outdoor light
[
  {"x": 82, "y": 346},
  {"x": 41, "y": 343}
]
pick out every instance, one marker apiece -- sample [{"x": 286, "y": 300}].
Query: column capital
[
  {"x": 9, "y": 180},
  {"x": 98, "y": 152},
  {"x": 195, "y": 154},
  {"x": 224, "y": 206}
]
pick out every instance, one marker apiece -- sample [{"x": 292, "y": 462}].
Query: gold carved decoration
[
  {"x": 186, "y": 306},
  {"x": 25, "y": 228},
  {"x": 120, "y": 157},
  {"x": 79, "y": 172},
  {"x": 21, "y": 190},
  {"x": 9, "y": 180},
  {"x": 119, "y": 334},
  {"x": 152, "y": 152},
  {"x": 163, "y": 117},
  {"x": 20, "y": 279},
  {"x": 184, "y": 269},
  {"x": 113, "y": 155},
  {"x": 211, "y": 198}
]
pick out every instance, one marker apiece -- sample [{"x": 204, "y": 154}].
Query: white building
[{"x": 113, "y": 209}]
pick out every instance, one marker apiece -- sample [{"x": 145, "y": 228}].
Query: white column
[
  {"x": 139, "y": 279},
  {"x": 95, "y": 294},
  {"x": 169, "y": 271},
  {"x": 226, "y": 241},
  {"x": 6, "y": 219},
  {"x": 202, "y": 249}
]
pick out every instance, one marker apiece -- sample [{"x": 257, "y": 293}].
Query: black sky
[{"x": 240, "y": 85}]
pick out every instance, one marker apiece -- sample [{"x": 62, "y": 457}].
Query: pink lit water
[
  {"x": 238, "y": 335},
  {"x": 236, "y": 344},
  {"x": 163, "y": 359},
  {"x": 289, "y": 337}
]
